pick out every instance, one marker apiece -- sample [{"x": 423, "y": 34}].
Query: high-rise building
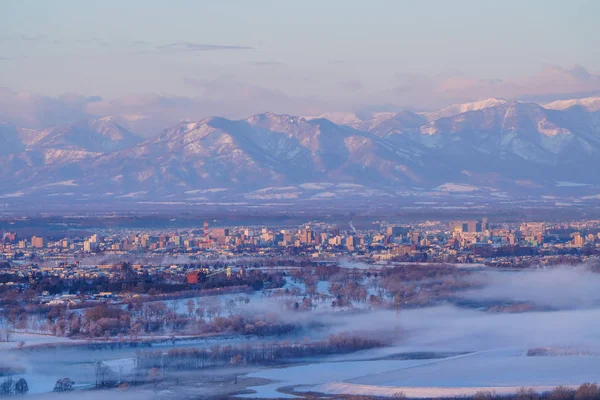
[
  {"x": 219, "y": 233},
  {"x": 577, "y": 240},
  {"x": 306, "y": 236},
  {"x": 350, "y": 242},
  {"x": 532, "y": 228},
  {"x": 469, "y": 226},
  {"x": 37, "y": 242},
  {"x": 396, "y": 230},
  {"x": 95, "y": 238},
  {"x": 90, "y": 246}
]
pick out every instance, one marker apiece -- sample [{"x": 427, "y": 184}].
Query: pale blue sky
[{"x": 301, "y": 48}]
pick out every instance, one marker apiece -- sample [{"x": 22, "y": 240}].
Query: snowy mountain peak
[
  {"x": 590, "y": 104},
  {"x": 456, "y": 109},
  {"x": 508, "y": 140},
  {"x": 272, "y": 118},
  {"x": 342, "y": 118},
  {"x": 94, "y": 135}
]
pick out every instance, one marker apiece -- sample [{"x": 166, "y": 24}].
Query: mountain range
[{"x": 497, "y": 145}]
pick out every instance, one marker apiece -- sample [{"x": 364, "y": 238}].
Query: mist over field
[
  {"x": 563, "y": 311},
  {"x": 466, "y": 317},
  {"x": 561, "y": 287}
]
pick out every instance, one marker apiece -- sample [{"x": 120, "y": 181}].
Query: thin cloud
[
  {"x": 264, "y": 63},
  {"x": 351, "y": 85},
  {"x": 192, "y": 46},
  {"x": 183, "y": 47},
  {"x": 33, "y": 38}
]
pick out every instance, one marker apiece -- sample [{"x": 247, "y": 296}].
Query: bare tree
[
  {"x": 5, "y": 331},
  {"x": 588, "y": 391},
  {"x": 64, "y": 385},
  {"x": 21, "y": 387},
  {"x": 7, "y": 387},
  {"x": 191, "y": 306}
]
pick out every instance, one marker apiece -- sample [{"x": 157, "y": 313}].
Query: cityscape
[
  {"x": 301, "y": 199},
  {"x": 468, "y": 242}
]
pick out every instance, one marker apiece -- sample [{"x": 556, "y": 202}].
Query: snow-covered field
[
  {"x": 18, "y": 339},
  {"x": 417, "y": 392},
  {"x": 484, "y": 350},
  {"x": 36, "y": 371},
  {"x": 437, "y": 351},
  {"x": 503, "y": 371},
  {"x": 320, "y": 373}
]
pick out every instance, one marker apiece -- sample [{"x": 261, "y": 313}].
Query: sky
[{"x": 339, "y": 54}]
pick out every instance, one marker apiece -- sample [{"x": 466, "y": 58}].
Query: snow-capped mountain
[
  {"x": 263, "y": 150},
  {"x": 456, "y": 109},
  {"x": 516, "y": 141},
  {"x": 389, "y": 123},
  {"x": 341, "y": 118},
  {"x": 94, "y": 135},
  {"x": 589, "y": 104},
  {"x": 495, "y": 143}
]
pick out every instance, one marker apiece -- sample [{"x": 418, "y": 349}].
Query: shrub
[
  {"x": 588, "y": 391},
  {"x": 562, "y": 393}
]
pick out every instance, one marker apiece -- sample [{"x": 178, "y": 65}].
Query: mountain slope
[
  {"x": 9, "y": 140},
  {"x": 525, "y": 130},
  {"x": 386, "y": 124},
  {"x": 94, "y": 135},
  {"x": 264, "y": 150},
  {"x": 497, "y": 146}
]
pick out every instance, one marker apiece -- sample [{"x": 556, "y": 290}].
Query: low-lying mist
[
  {"x": 565, "y": 313},
  {"x": 562, "y": 287}
]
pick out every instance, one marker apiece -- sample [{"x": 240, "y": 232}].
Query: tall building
[
  {"x": 219, "y": 233},
  {"x": 396, "y": 230},
  {"x": 577, "y": 240},
  {"x": 37, "y": 242},
  {"x": 90, "y": 246},
  {"x": 306, "y": 236},
  {"x": 95, "y": 238},
  {"x": 532, "y": 228},
  {"x": 350, "y": 242},
  {"x": 469, "y": 226}
]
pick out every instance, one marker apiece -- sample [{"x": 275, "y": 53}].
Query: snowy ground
[
  {"x": 319, "y": 373},
  {"x": 18, "y": 339},
  {"x": 415, "y": 392},
  {"x": 482, "y": 350},
  {"x": 494, "y": 345},
  {"x": 503, "y": 371},
  {"x": 15, "y": 353}
]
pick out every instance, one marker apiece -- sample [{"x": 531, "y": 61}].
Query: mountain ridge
[{"x": 497, "y": 143}]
